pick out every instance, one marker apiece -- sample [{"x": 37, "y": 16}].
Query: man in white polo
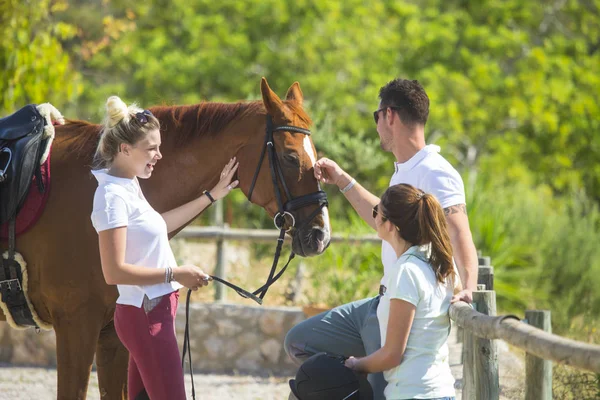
[{"x": 352, "y": 329}]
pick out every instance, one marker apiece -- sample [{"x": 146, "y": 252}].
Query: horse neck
[{"x": 189, "y": 168}]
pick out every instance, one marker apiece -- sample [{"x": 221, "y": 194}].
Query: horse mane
[
  {"x": 207, "y": 118},
  {"x": 82, "y": 137},
  {"x": 210, "y": 118},
  {"x": 184, "y": 122}
]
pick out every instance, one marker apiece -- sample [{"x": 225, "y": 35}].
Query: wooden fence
[{"x": 479, "y": 326}]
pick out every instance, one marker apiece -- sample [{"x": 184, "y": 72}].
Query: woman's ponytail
[{"x": 434, "y": 229}]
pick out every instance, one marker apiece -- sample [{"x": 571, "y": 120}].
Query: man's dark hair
[{"x": 408, "y": 99}]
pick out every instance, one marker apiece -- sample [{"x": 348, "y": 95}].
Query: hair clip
[{"x": 142, "y": 116}]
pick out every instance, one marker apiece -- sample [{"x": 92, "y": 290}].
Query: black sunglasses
[
  {"x": 142, "y": 116},
  {"x": 376, "y": 112},
  {"x": 376, "y": 211}
]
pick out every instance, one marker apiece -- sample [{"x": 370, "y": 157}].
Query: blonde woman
[{"x": 135, "y": 251}]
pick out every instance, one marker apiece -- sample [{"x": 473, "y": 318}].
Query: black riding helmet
[{"x": 325, "y": 377}]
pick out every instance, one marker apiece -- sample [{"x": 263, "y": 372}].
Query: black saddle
[
  {"x": 22, "y": 144},
  {"x": 21, "y": 147}
]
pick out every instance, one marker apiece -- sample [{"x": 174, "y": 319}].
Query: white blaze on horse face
[
  {"x": 326, "y": 228},
  {"x": 308, "y": 148}
]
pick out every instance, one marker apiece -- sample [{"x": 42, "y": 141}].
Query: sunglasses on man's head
[
  {"x": 376, "y": 112},
  {"x": 142, "y": 116}
]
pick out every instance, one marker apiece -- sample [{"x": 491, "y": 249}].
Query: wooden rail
[
  {"x": 533, "y": 340},
  {"x": 259, "y": 235}
]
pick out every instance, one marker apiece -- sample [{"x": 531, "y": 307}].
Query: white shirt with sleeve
[
  {"x": 424, "y": 372},
  {"x": 119, "y": 202},
  {"x": 429, "y": 171}
]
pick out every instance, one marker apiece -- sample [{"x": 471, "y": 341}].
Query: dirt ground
[{"x": 40, "y": 383}]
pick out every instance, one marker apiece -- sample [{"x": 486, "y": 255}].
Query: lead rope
[{"x": 186, "y": 343}]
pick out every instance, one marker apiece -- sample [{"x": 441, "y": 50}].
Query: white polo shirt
[
  {"x": 119, "y": 202},
  {"x": 429, "y": 171},
  {"x": 424, "y": 371}
]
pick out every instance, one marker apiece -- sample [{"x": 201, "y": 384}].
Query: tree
[{"x": 35, "y": 67}]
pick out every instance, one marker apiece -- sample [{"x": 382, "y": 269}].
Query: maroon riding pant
[{"x": 154, "y": 359}]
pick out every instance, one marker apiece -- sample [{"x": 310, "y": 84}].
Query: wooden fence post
[
  {"x": 469, "y": 391},
  {"x": 220, "y": 267},
  {"x": 485, "y": 276},
  {"x": 487, "y": 381},
  {"x": 538, "y": 372},
  {"x": 468, "y": 378}
]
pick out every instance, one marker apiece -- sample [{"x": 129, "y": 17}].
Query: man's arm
[
  {"x": 465, "y": 254},
  {"x": 363, "y": 201}
]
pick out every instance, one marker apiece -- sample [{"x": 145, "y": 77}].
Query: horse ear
[
  {"x": 294, "y": 93},
  {"x": 272, "y": 102}
]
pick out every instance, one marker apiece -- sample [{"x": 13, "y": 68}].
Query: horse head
[{"x": 283, "y": 182}]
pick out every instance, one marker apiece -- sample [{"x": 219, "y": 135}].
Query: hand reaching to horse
[
  {"x": 191, "y": 276},
  {"x": 327, "y": 171},
  {"x": 225, "y": 184}
]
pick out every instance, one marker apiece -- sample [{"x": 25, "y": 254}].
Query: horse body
[{"x": 66, "y": 284}]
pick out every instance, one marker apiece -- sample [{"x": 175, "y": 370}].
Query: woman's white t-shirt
[
  {"x": 119, "y": 202},
  {"x": 424, "y": 372}
]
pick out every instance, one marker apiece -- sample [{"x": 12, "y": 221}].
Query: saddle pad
[{"x": 34, "y": 203}]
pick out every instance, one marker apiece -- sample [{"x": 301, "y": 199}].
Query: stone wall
[
  {"x": 226, "y": 338},
  {"x": 223, "y": 338}
]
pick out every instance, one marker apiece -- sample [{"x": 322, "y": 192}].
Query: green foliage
[
  {"x": 35, "y": 69},
  {"x": 573, "y": 384},
  {"x": 345, "y": 272},
  {"x": 571, "y": 265},
  {"x": 505, "y": 220},
  {"x": 543, "y": 248}
]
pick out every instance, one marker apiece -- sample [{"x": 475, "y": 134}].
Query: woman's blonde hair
[{"x": 122, "y": 124}]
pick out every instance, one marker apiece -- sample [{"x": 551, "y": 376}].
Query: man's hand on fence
[{"x": 464, "y": 295}]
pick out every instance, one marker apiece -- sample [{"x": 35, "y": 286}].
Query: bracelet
[
  {"x": 167, "y": 274},
  {"x": 349, "y": 186},
  {"x": 171, "y": 274},
  {"x": 207, "y": 193}
]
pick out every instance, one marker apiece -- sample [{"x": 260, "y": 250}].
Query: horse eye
[{"x": 292, "y": 159}]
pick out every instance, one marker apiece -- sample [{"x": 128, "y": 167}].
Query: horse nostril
[{"x": 318, "y": 234}]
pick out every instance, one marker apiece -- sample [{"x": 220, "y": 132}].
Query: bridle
[{"x": 284, "y": 209}]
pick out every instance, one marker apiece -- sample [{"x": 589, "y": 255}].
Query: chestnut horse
[{"x": 66, "y": 285}]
